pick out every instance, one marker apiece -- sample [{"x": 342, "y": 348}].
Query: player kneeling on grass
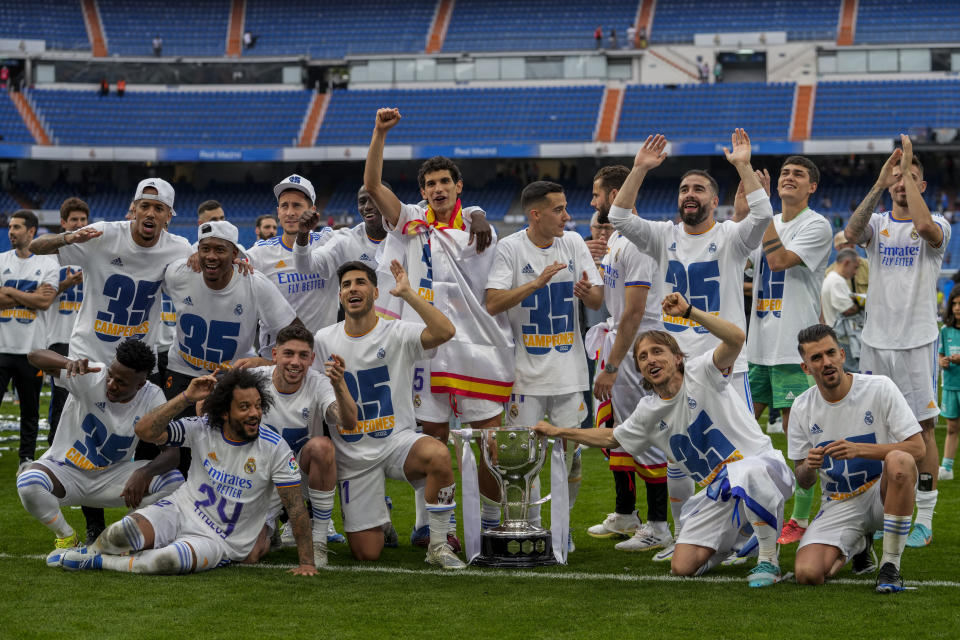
[
  {"x": 217, "y": 516},
  {"x": 705, "y": 428},
  {"x": 861, "y": 435},
  {"x": 89, "y": 462},
  {"x": 379, "y": 375}
]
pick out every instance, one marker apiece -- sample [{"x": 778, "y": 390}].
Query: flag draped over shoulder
[{"x": 448, "y": 272}]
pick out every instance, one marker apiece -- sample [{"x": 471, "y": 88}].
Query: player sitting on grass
[
  {"x": 699, "y": 420},
  {"x": 859, "y": 433},
  {"x": 218, "y": 515}
]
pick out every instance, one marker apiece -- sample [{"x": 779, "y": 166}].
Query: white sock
[
  {"x": 421, "y": 504},
  {"x": 453, "y": 523},
  {"x": 120, "y": 537},
  {"x": 895, "y": 531},
  {"x": 439, "y": 520},
  {"x": 36, "y": 493},
  {"x": 659, "y": 526},
  {"x": 321, "y": 510},
  {"x": 926, "y": 501},
  {"x": 533, "y": 513},
  {"x": 766, "y": 538},
  {"x": 489, "y": 515},
  {"x": 170, "y": 560}
]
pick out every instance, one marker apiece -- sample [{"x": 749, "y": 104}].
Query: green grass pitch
[{"x": 601, "y": 593}]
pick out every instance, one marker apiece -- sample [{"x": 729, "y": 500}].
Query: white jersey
[
  {"x": 314, "y": 297},
  {"x": 784, "y": 302},
  {"x": 121, "y": 288},
  {"x": 379, "y": 374},
  {"x": 902, "y": 305},
  {"x": 343, "y": 246},
  {"x": 702, "y": 428},
  {"x": 216, "y": 327},
  {"x": 231, "y": 484},
  {"x": 873, "y": 411},
  {"x": 546, "y": 325},
  {"x": 62, "y": 314},
  {"x": 834, "y": 297},
  {"x": 22, "y": 329},
  {"x": 168, "y": 324},
  {"x": 95, "y": 433},
  {"x": 624, "y": 267},
  {"x": 299, "y": 415},
  {"x": 706, "y": 269}
]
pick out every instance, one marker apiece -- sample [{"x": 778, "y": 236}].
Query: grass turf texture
[{"x": 600, "y": 593}]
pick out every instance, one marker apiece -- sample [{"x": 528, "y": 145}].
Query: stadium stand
[
  {"x": 891, "y": 21},
  {"x": 698, "y": 112},
  {"x": 466, "y": 116},
  {"x": 873, "y": 109},
  {"x": 536, "y": 25},
  {"x": 58, "y": 23},
  {"x": 676, "y": 21},
  {"x": 180, "y": 119},
  {"x": 330, "y": 29},
  {"x": 12, "y": 128},
  {"x": 187, "y": 28}
]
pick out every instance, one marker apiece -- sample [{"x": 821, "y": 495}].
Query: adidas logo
[
  {"x": 527, "y": 269},
  {"x": 365, "y": 258},
  {"x": 280, "y": 265},
  {"x": 213, "y": 456},
  {"x": 188, "y": 301},
  {"x": 101, "y": 405},
  {"x": 37, "y": 273},
  {"x": 6, "y": 271},
  {"x": 885, "y": 233},
  {"x": 790, "y": 396},
  {"x": 117, "y": 262},
  {"x": 932, "y": 405},
  {"x": 672, "y": 247},
  {"x": 815, "y": 429},
  {"x": 662, "y": 425}
]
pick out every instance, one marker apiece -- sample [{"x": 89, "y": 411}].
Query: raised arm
[
  {"x": 730, "y": 335},
  {"x": 439, "y": 329},
  {"x": 152, "y": 427},
  {"x": 51, "y": 242},
  {"x": 344, "y": 410},
  {"x": 386, "y": 201},
  {"x": 919, "y": 211},
  {"x": 51, "y": 363},
  {"x": 651, "y": 155},
  {"x": 751, "y": 228},
  {"x": 858, "y": 227}
]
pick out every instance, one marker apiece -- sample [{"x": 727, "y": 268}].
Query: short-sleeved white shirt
[
  {"x": 121, "y": 286},
  {"x": 22, "y": 329},
  {"x": 624, "y": 267},
  {"x": 231, "y": 484},
  {"x": 314, "y": 298},
  {"x": 706, "y": 269},
  {"x": 295, "y": 416},
  {"x": 834, "y": 297},
  {"x": 704, "y": 426},
  {"x": 62, "y": 314},
  {"x": 379, "y": 374},
  {"x": 546, "y": 325},
  {"x": 784, "y": 302},
  {"x": 873, "y": 411},
  {"x": 214, "y": 327},
  {"x": 95, "y": 433},
  {"x": 901, "y": 310}
]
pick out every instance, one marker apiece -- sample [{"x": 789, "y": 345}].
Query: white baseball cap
[
  {"x": 299, "y": 183},
  {"x": 164, "y": 192},
  {"x": 223, "y": 230}
]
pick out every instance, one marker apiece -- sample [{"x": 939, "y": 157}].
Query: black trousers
[
  {"x": 28, "y": 382},
  {"x": 59, "y": 395}
]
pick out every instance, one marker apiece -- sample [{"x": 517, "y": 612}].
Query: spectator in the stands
[{"x": 157, "y": 45}]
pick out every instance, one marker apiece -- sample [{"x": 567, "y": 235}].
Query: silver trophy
[{"x": 515, "y": 455}]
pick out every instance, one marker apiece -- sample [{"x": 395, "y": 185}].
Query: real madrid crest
[
  {"x": 914, "y": 235},
  {"x": 250, "y": 466},
  {"x": 514, "y": 410},
  {"x": 416, "y": 400}
]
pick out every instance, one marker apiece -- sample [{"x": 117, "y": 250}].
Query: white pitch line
[{"x": 505, "y": 574}]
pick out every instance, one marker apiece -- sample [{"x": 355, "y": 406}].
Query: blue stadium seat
[
  {"x": 11, "y": 124},
  {"x": 892, "y": 21},
  {"x": 57, "y": 22},
  {"x": 676, "y": 21},
  {"x": 187, "y": 28}
]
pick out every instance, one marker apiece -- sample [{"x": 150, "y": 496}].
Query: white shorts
[
  {"x": 362, "y": 492},
  {"x": 440, "y": 407},
  {"x": 844, "y": 523},
  {"x": 763, "y": 482},
  {"x": 102, "y": 488},
  {"x": 914, "y": 371},
  {"x": 169, "y": 527},
  {"x": 565, "y": 411},
  {"x": 741, "y": 384}
]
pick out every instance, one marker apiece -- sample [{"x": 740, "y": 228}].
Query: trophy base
[{"x": 515, "y": 549}]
